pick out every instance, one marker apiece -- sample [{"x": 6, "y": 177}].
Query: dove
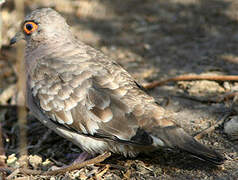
[{"x": 89, "y": 99}]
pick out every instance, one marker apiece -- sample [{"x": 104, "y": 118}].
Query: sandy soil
[{"x": 152, "y": 39}]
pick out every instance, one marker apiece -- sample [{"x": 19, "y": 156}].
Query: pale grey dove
[{"x": 88, "y": 98}]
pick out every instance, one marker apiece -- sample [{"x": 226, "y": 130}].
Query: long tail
[{"x": 175, "y": 136}]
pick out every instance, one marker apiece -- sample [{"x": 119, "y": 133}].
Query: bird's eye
[{"x": 30, "y": 27}]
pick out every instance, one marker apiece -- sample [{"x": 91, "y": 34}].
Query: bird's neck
[{"x": 42, "y": 51}]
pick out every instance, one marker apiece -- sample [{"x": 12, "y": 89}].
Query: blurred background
[{"x": 152, "y": 39}]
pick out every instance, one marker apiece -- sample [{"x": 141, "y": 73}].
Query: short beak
[{"x": 16, "y": 38}]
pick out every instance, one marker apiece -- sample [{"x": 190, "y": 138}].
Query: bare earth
[{"x": 152, "y": 39}]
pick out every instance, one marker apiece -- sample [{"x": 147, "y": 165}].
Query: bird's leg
[
  {"x": 82, "y": 157},
  {"x": 77, "y": 159}
]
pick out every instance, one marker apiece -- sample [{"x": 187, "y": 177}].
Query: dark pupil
[{"x": 29, "y": 27}]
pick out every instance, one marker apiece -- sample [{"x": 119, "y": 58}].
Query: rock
[{"x": 231, "y": 128}]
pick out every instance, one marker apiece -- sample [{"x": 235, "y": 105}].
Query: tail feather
[{"x": 175, "y": 136}]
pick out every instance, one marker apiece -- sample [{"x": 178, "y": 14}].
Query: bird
[{"x": 88, "y": 98}]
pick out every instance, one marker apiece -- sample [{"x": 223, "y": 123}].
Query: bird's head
[{"x": 43, "y": 26}]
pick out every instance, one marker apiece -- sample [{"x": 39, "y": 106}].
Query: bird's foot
[
  {"x": 82, "y": 157},
  {"x": 78, "y": 158}
]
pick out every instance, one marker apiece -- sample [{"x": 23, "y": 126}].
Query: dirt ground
[{"x": 152, "y": 39}]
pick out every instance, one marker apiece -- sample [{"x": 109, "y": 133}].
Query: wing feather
[{"x": 92, "y": 102}]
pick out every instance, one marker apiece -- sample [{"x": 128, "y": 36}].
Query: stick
[
  {"x": 21, "y": 111},
  {"x": 212, "y": 128},
  {"x": 95, "y": 160},
  {"x": 189, "y": 78}
]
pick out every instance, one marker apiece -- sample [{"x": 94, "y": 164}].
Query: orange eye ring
[{"x": 29, "y": 27}]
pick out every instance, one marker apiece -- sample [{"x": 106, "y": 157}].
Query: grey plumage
[{"x": 89, "y": 99}]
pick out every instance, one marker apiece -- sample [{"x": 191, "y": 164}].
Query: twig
[
  {"x": 228, "y": 96},
  {"x": 13, "y": 174},
  {"x": 100, "y": 174},
  {"x": 198, "y": 99},
  {"x": 118, "y": 167},
  {"x": 189, "y": 78},
  {"x": 95, "y": 160},
  {"x": 212, "y": 128},
  {"x": 1, "y": 2},
  {"x": 21, "y": 111}
]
